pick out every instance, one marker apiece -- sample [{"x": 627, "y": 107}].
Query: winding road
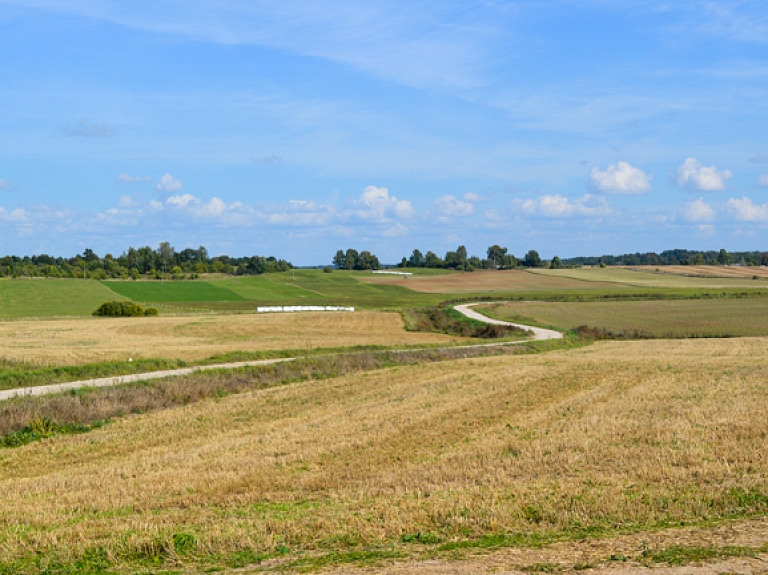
[
  {"x": 465, "y": 309},
  {"x": 538, "y": 332}
]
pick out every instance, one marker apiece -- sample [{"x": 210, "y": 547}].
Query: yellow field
[
  {"x": 742, "y": 272},
  {"x": 618, "y": 435},
  {"x": 643, "y": 276},
  {"x": 77, "y": 341}
]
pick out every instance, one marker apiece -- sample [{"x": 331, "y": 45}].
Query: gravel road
[{"x": 538, "y": 333}]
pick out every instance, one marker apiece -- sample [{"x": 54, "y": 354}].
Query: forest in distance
[{"x": 166, "y": 262}]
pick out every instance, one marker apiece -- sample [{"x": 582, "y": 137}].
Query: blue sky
[{"x": 297, "y": 128}]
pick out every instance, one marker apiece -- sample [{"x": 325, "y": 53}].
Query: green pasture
[
  {"x": 51, "y": 297},
  {"x": 657, "y": 318},
  {"x": 314, "y": 287},
  {"x": 172, "y": 291}
]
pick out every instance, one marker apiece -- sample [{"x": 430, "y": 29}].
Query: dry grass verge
[{"x": 499, "y": 451}]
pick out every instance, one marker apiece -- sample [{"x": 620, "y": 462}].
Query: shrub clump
[{"x": 123, "y": 309}]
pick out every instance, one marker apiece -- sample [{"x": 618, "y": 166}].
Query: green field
[
  {"x": 51, "y": 297},
  {"x": 178, "y": 291},
  {"x": 313, "y": 287},
  {"x": 657, "y": 318}
]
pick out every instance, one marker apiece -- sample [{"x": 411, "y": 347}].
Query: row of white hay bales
[{"x": 295, "y": 308}]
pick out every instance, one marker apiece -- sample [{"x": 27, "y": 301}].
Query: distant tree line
[
  {"x": 499, "y": 258},
  {"x": 144, "y": 262},
  {"x": 674, "y": 257}
]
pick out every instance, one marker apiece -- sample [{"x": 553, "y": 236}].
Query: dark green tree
[{"x": 532, "y": 259}]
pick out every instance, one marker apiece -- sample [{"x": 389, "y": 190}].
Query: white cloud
[
  {"x": 127, "y": 179},
  {"x": 183, "y": 201},
  {"x": 762, "y": 181},
  {"x": 744, "y": 210},
  {"x": 470, "y": 197},
  {"x": 5, "y": 185},
  {"x": 691, "y": 174},
  {"x": 169, "y": 184},
  {"x": 376, "y": 204},
  {"x": 450, "y": 206},
  {"x": 87, "y": 129},
  {"x": 558, "y": 206},
  {"x": 621, "y": 178},
  {"x": 698, "y": 211},
  {"x": 17, "y": 215}
]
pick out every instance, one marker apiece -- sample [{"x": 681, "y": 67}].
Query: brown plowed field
[
  {"x": 77, "y": 341},
  {"x": 739, "y": 272},
  {"x": 485, "y": 281}
]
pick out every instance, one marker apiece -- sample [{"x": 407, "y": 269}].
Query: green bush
[
  {"x": 150, "y": 311},
  {"x": 120, "y": 309}
]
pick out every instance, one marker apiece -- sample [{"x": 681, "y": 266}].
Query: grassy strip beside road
[{"x": 77, "y": 409}]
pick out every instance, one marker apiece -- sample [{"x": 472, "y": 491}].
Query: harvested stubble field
[
  {"x": 406, "y": 462},
  {"x": 650, "y": 318},
  {"x": 190, "y": 338},
  {"x": 482, "y": 282},
  {"x": 639, "y": 276},
  {"x": 739, "y": 272}
]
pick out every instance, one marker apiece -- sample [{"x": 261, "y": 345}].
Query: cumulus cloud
[
  {"x": 376, "y": 204},
  {"x": 182, "y": 201},
  {"x": 5, "y": 185},
  {"x": 169, "y": 184},
  {"x": 557, "y": 206},
  {"x": 126, "y": 179},
  {"x": 470, "y": 197},
  {"x": 87, "y": 129},
  {"x": 691, "y": 174},
  {"x": 450, "y": 206},
  {"x": 621, "y": 178},
  {"x": 762, "y": 181},
  {"x": 746, "y": 211},
  {"x": 698, "y": 211}
]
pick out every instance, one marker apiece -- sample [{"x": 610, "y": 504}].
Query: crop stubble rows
[
  {"x": 616, "y": 435},
  {"x": 76, "y": 341}
]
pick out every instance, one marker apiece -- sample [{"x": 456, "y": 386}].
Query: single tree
[{"x": 532, "y": 259}]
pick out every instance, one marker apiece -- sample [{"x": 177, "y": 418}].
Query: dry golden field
[
  {"x": 485, "y": 281},
  {"x": 743, "y": 272},
  {"x": 610, "y": 437},
  {"x": 77, "y": 341},
  {"x": 648, "y": 277}
]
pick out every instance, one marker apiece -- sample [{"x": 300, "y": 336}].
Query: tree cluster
[
  {"x": 354, "y": 260},
  {"x": 135, "y": 263}
]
